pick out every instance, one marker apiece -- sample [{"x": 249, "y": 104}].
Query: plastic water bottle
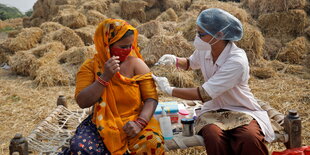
[{"x": 165, "y": 125}]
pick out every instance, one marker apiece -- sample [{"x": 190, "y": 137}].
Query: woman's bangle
[
  {"x": 101, "y": 81},
  {"x": 143, "y": 120},
  {"x": 187, "y": 67},
  {"x": 139, "y": 125}
]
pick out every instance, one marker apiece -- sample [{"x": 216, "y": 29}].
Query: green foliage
[
  {"x": 9, "y": 12},
  {"x": 6, "y": 29},
  {"x": 29, "y": 13}
]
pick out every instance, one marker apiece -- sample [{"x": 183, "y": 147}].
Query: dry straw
[
  {"x": 177, "y": 5},
  {"x": 26, "y": 39},
  {"x": 23, "y": 63},
  {"x": 133, "y": 9},
  {"x": 48, "y": 27},
  {"x": 252, "y": 42},
  {"x": 162, "y": 44},
  {"x": 52, "y": 74},
  {"x": 168, "y": 15},
  {"x": 262, "y": 72},
  {"x": 71, "y": 18},
  {"x": 258, "y": 7},
  {"x": 86, "y": 34},
  {"x": 150, "y": 29},
  {"x": 142, "y": 41},
  {"x": 94, "y": 17},
  {"x": 271, "y": 48},
  {"x": 65, "y": 35},
  {"x": 284, "y": 26},
  {"x": 98, "y": 5},
  {"x": 179, "y": 78},
  {"x": 152, "y": 13},
  {"x": 295, "y": 51}
]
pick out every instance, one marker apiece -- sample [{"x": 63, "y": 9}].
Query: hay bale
[
  {"x": 134, "y": 22},
  {"x": 98, "y": 5},
  {"x": 152, "y": 13},
  {"x": 86, "y": 34},
  {"x": 114, "y": 11},
  {"x": 307, "y": 32},
  {"x": 162, "y": 44},
  {"x": 295, "y": 69},
  {"x": 52, "y": 74},
  {"x": 177, "y": 78},
  {"x": 23, "y": 63},
  {"x": 26, "y": 39},
  {"x": 72, "y": 59},
  {"x": 283, "y": 25},
  {"x": 43, "y": 49},
  {"x": 170, "y": 27},
  {"x": 71, "y": 18},
  {"x": 177, "y": 5},
  {"x": 150, "y": 29},
  {"x": 142, "y": 41},
  {"x": 188, "y": 27},
  {"x": 271, "y": 48},
  {"x": 252, "y": 42},
  {"x": 3, "y": 58},
  {"x": 65, "y": 35},
  {"x": 295, "y": 51},
  {"x": 94, "y": 17},
  {"x": 48, "y": 27},
  {"x": 306, "y": 61},
  {"x": 76, "y": 55},
  {"x": 168, "y": 15},
  {"x": 230, "y": 7},
  {"x": 262, "y": 72},
  {"x": 259, "y": 7},
  {"x": 151, "y": 3},
  {"x": 65, "y": 2},
  {"x": 5, "y": 46},
  {"x": 276, "y": 65},
  {"x": 13, "y": 34},
  {"x": 133, "y": 9}
]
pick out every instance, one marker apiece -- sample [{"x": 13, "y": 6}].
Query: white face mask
[{"x": 201, "y": 45}]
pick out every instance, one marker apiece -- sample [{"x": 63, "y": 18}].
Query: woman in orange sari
[{"x": 119, "y": 85}]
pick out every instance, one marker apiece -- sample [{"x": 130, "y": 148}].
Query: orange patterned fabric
[{"x": 121, "y": 100}]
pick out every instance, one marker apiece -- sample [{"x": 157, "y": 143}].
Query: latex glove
[
  {"x": 163, "y": 84},
  {"x": 167, "y": 59}
]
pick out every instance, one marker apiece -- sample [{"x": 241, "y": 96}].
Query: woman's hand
[
  {"x": 110, "y": 68},
  {"x": 131, "y": 129}
]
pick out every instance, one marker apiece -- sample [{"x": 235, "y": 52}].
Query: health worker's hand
[{"x": 163, "y": 84}]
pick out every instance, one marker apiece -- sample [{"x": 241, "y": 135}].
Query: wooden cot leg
[
  {"x": 18, "y": 145},
  {"x": 292, "y": 127},
  {"x": 62, "y": 101}
]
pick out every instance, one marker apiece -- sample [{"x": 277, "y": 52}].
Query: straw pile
[
  {"x": 94, "y": 17},
  {"x": 152, "y": 13},
  {"x": 262, "y": 72},
  {"x": 271, "y": 48},
  {"x": 168, "y": 15},
  {"x": 48, "y": 27},
  {"x": 150, "y": 29},
  {"x": 23, "y": 63},
  {"x": 26, "y": 39},
  {"x": 71, "y": 18},
  {"x": 98, "y": 5},
  {"x": 257, "y": 7},
  {"x": 177, "y": 5},
  {"x": 162, "y": 44},
  {"x": 72, "y": 59},
  {"x": 133, "y": 9},
  {"x": 86, "y": 34},
  {"x": 179, "y": 78},
  {"x": 295, "y": 51},
  {"x": 284, "y": 26},
  {"x": 65, "y": 35},
  {"x": 252, "y": 42},
  {"x": 142, "y": 41},
  {"x": 52, "y": 74}
]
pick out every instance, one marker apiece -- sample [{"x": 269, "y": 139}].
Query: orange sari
[{"x": 122, "y": 99}]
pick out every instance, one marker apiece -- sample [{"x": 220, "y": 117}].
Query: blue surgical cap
[{"x": 216, "y": 20}]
